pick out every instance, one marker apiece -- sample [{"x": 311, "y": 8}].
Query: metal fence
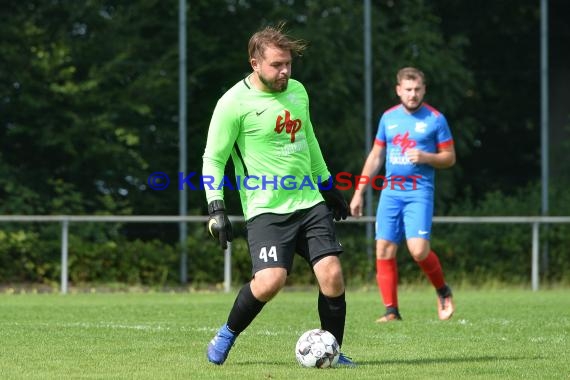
[{"x": 64, "y": 220}]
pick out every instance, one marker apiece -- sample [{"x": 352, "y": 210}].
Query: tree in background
[
  {"x": 90, "y": 91},
  {"x": 89, "y": 103}
]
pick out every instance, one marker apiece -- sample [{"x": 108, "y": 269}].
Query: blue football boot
[
  {"x": 345, "y": 361},
  {"x": 220, "y": 345}
]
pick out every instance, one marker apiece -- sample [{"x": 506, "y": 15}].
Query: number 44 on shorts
[{"x": 265, "y": 256}]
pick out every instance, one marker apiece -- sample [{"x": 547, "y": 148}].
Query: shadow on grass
[
  {"x": 414, "y": 362},
  {"x": 480, "y": 359}
]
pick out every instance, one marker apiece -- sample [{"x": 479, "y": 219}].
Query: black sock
[
  {"x": 245, "y": 309},
  {"x": 332, "y": 312},
  {"x": 392, "y": 310},
  {"x": 444, "y": 291}
]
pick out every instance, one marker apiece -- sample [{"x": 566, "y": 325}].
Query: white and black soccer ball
[{"x": 317, "y": 348}]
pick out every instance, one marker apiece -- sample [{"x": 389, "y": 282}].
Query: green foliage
[
  {"x": 26, "y": 257},
  {"x": 205, "y": 258},
  {"x": 83, "y": 101},
  {"x": 97, "y": 101},
  {"x": 132, "y": 263},
  {"x": 480, "y": 253},
  {"x": 89, "y": 108}
]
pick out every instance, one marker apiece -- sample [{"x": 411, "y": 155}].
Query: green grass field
[{"x": 502, "y": 334}]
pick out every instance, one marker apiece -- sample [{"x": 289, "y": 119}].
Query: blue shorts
[{"x": 400, "y": 216}]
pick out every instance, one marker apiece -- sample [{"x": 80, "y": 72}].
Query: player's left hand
[{"x": 334, "y": 200}]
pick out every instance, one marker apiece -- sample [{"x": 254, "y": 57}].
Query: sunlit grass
[{"x": 494, "y": 334}]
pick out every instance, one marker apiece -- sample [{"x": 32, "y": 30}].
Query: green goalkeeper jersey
[{"x": 276, "y": 156}]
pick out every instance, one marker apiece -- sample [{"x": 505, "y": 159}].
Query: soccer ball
[{"x": 317, "y": 348}]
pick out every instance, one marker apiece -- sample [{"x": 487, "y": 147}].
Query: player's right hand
[
  {"x": 356, "y": 206},
  {"x": 219, "y": 225}
]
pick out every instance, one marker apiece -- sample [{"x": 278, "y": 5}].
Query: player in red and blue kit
[{"x": 413, "y": 140}]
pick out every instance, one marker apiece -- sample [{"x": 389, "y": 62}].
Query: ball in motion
[{"x": 317, "y": 348}]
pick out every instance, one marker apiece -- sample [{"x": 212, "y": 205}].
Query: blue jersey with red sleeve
[{"x": 398, "y": 131}]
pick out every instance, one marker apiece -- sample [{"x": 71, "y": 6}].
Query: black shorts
[{"x": 274, "y": 239}]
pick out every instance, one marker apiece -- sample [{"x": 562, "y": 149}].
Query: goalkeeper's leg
[{"x": 245, "y": 309}]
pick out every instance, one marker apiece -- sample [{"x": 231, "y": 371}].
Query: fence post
[
  {"x": 64, "y": 253},
  {"x": 228, "y": 268},
  {"x": 534, "y": 260}
]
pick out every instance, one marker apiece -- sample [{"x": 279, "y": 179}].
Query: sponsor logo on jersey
[
  {"x": 399, "y": 159},
  {"x": 286, "y": 123},
  {"x": 297, "y": 146},
  {"x": 404, "y": 141}
]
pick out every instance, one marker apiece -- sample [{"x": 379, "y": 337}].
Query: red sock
[
  {"x": 432, "y": 268},
  {"x": 387, "y": 279}
]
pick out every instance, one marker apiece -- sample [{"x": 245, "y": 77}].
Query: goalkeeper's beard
[{"x": 273, "y": 85}]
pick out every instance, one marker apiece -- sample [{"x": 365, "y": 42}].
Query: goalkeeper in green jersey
[{"x": 263, "y": 122}]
